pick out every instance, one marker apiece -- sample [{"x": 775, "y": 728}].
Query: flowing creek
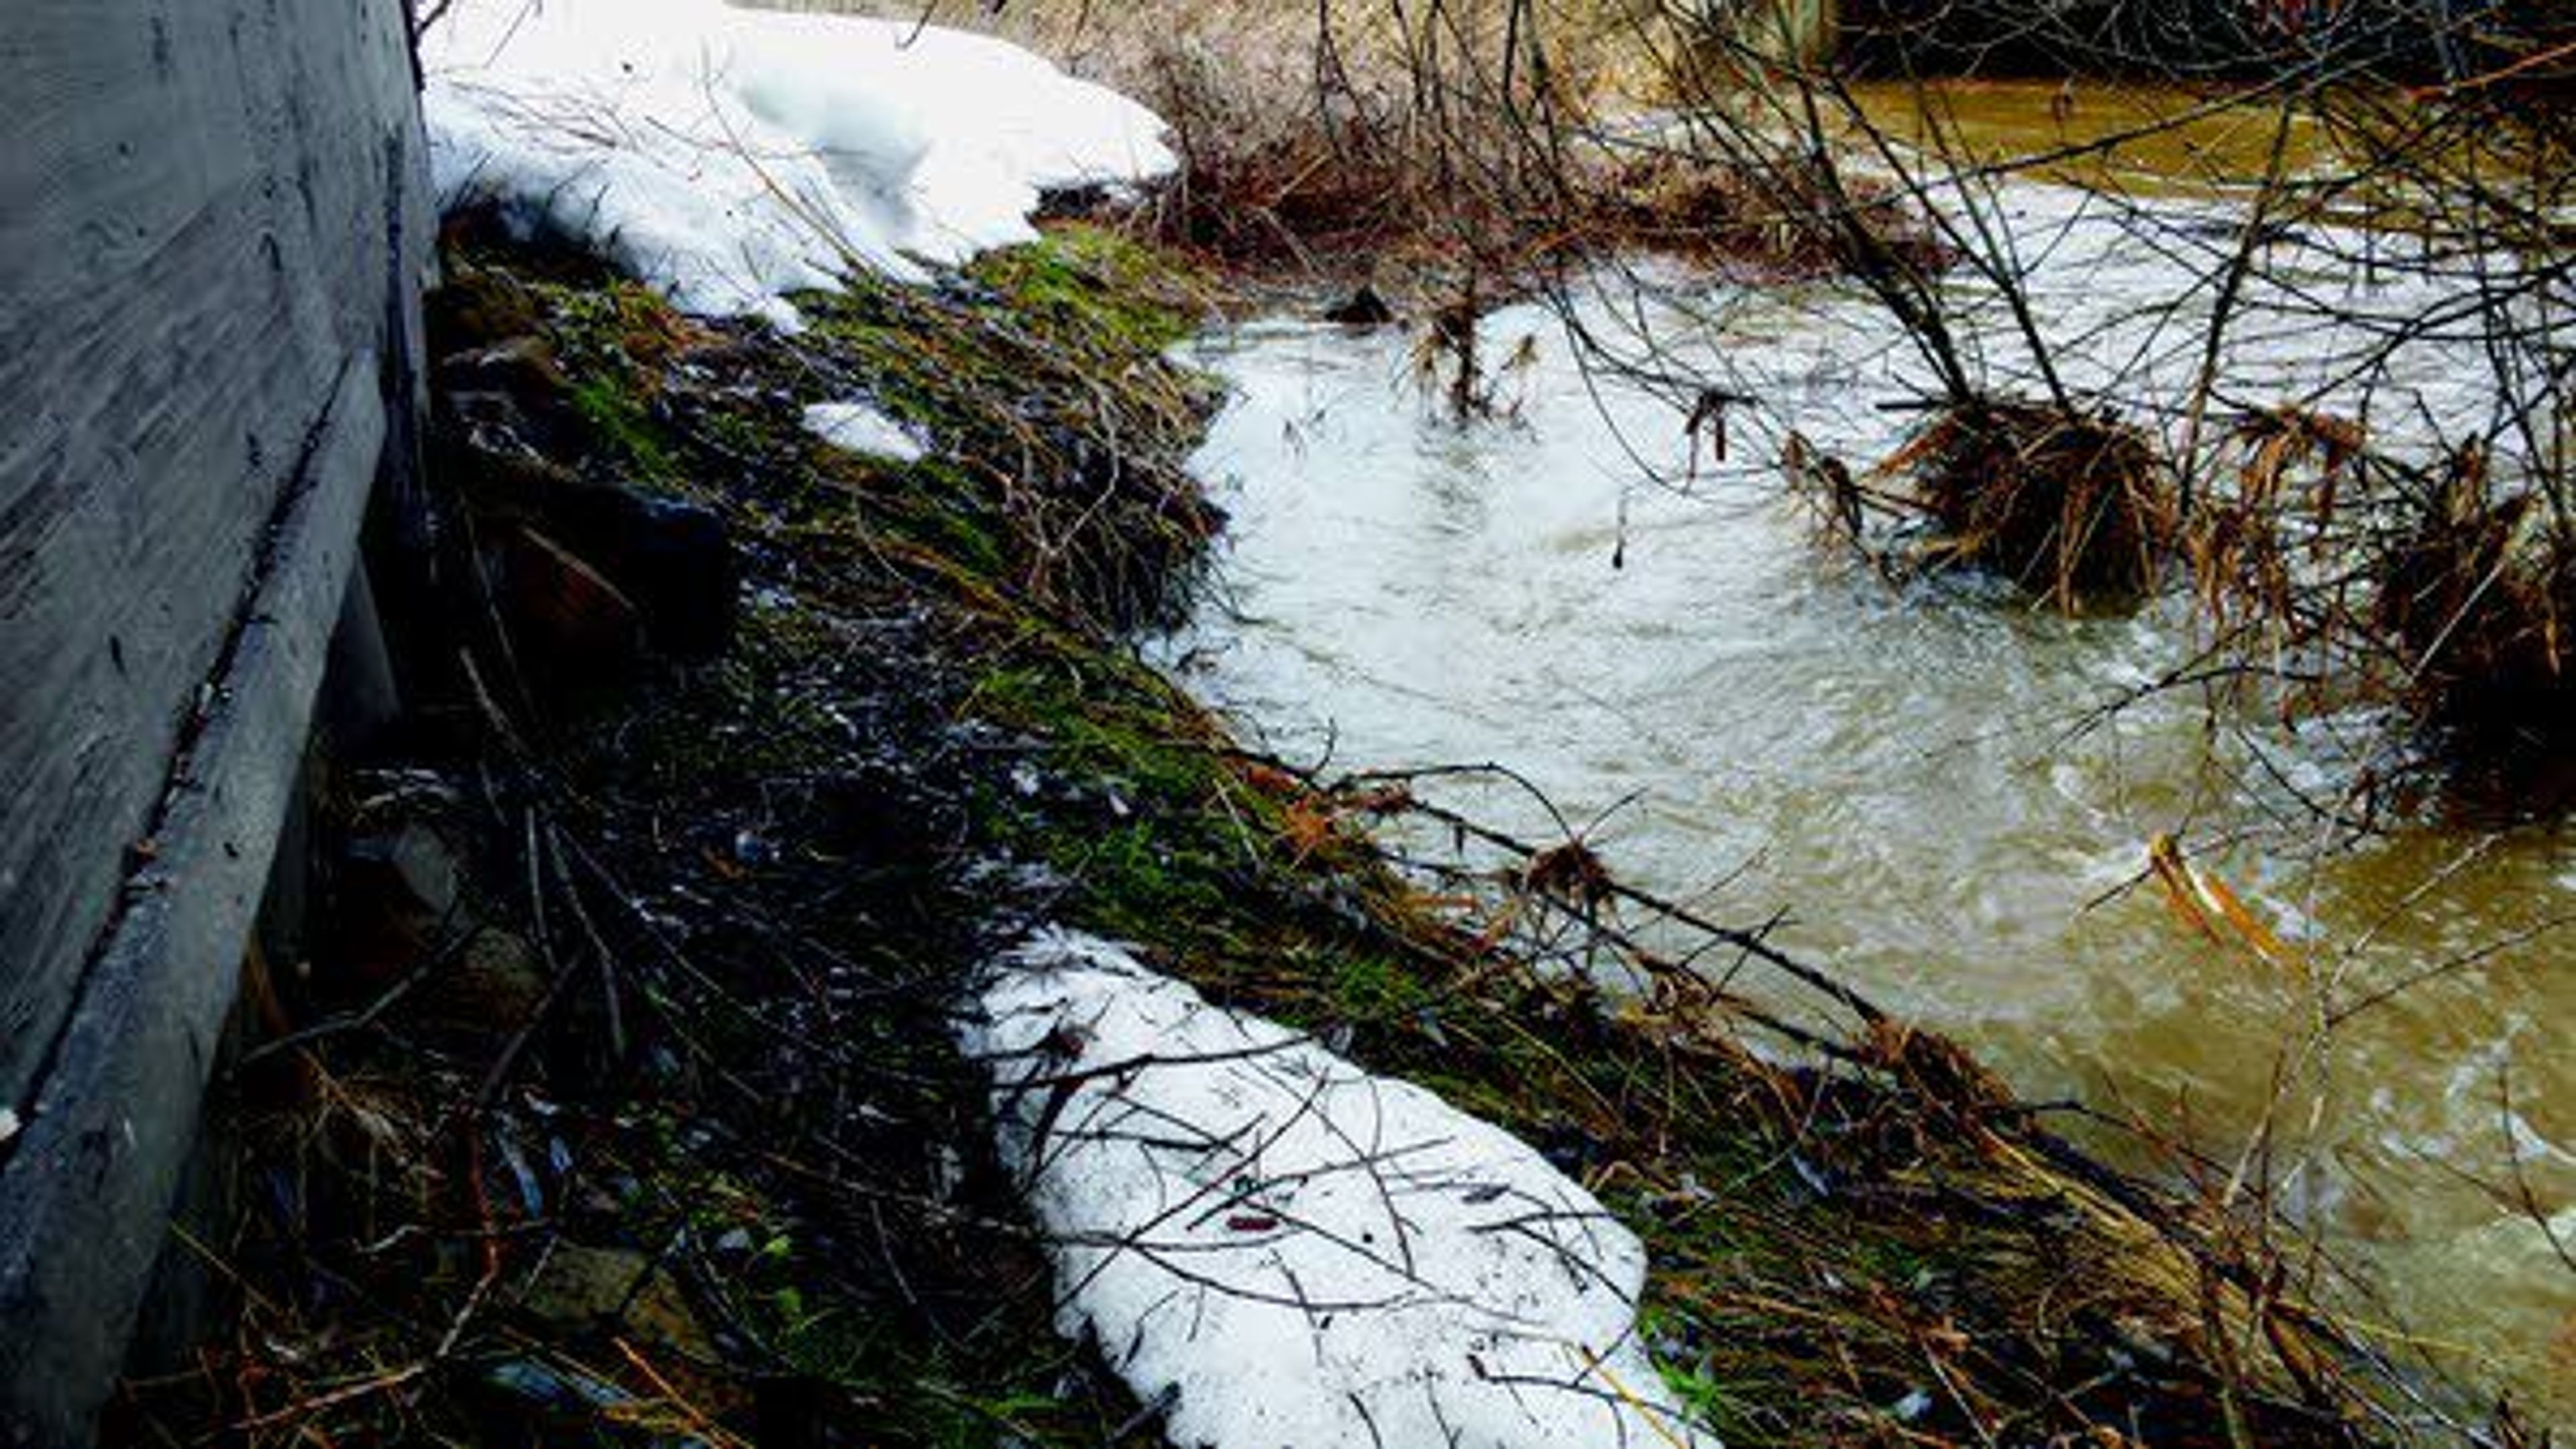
[{"x": 1918, "y": 780}]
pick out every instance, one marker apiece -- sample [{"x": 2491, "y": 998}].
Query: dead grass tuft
[
  {"x": 2078, "y": 508},
  {"x": 2476, "y": 592},
  {"x": 1278, "y": 169}
]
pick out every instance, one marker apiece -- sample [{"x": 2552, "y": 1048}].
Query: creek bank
[{"x": 682, "y": 1027}]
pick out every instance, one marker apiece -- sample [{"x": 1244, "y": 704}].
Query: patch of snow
[
  {"x": 9, "y": 1123},
  {"x": 731, "y": 157},
  {"x": 857, "y": 427},
  {"x": 1285, "y": 1249}
]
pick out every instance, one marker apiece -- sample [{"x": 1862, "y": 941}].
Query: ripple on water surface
[{"x": 1912, "y": 775}]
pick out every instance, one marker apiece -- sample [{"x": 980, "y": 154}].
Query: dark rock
[
  {"x": 497, "y": 452},
  {"x": 673, "y": 559},
  {"x": 393, "y": 893},
  {"x": 619, "y": 1291},
  {"x": 1363, "y": 308},
  {"x": 414, "y": 864},
  {"x": 670, "y": 562},
  {"x": 563, "y": 612}
]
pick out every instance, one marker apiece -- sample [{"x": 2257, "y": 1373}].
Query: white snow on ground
[
  {"x": 729, "y": 157},
  {"x": 1286, "y": 1250},
  {"x": 857, "y": 427}
]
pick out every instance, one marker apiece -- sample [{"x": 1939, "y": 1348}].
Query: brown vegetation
[
  {"x": 1497, "y": 137},
  {"x": 2476, "y": 593},
  {"x": 2078, "y": 509},
  {"x": 647, "y": 1127}
]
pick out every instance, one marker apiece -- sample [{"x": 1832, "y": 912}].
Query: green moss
[
  {"x": 1374, "y": 988},
  {"x": 937, "y": 1395},
  {"x": 1084, "y": 278},
  {"x": 1788, "y": 1313},
  {"x": 1107, "y": 715},
  {"x": 613, "y": 322},
  {"x": 621, "y": 422},
  {"x": 1042, "y": 382},
  {"x": 613, "y": 339},
  {"x": 942, "y": 507},
  {"x": 744, "y": 433}
]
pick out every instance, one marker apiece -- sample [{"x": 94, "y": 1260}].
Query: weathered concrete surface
[{"x": 213, "y": 227}]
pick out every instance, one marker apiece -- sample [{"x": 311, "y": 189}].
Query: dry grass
[
  {"x": 2437, "y": 589},
  {"x": 2475, "y": 592},
  {"x": 747, "y": 899},
  {"x": 1593, "y": 45},
  {"x": 1278, "y": 167},
  {"x": 2079, "y": 509},
  {"x": 1477, "y": 136}
]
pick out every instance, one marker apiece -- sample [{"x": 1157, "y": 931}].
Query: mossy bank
[{"x": 745, "y": 751}]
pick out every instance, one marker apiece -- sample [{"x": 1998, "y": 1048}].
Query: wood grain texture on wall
[{"x": 213, "y": 226}]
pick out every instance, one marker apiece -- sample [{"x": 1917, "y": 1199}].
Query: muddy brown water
[{"x": 1920, "y": 779}]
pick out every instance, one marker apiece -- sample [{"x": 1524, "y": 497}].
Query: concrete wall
[{"x": 213, "y": 229}]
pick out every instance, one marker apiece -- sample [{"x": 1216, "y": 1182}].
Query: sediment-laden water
[{"x": 1923, "y": 778}]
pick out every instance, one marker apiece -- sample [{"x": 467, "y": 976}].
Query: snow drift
[
  {"x": 1280, "y": 1248},
  {"x": 730, "y": 157}
]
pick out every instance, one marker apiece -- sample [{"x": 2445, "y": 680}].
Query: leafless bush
[{"x": 2347, "y": 540}]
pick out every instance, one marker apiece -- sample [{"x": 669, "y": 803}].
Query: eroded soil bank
[{"x": 616, "y": 1101}]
